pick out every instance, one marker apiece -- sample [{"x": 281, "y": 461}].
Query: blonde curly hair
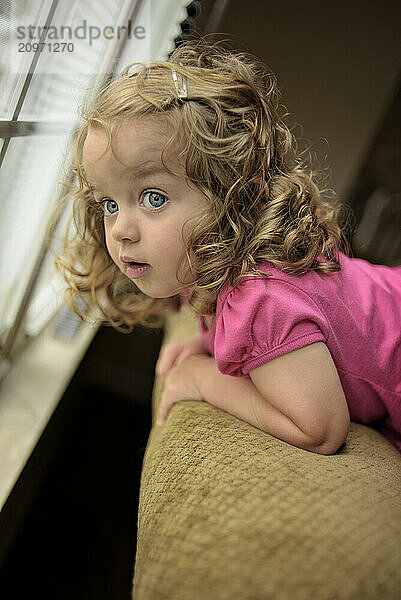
[{"x": 264, "y": 199}]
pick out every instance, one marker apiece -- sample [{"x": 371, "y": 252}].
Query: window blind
[{"x": 35, "y": 165}]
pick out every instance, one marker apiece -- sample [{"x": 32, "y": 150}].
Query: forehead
[{"x": 133, "y": 144}]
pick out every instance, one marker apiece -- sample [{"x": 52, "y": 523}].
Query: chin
[{"x": 149, "y": 290}]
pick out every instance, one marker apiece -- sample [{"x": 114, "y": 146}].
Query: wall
[{"x": 337, "y": 65}]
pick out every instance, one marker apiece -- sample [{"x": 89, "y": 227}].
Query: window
[{"x": 43, "y": 92}]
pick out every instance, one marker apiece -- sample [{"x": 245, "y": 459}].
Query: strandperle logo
[{"x": 79, "y": 32}]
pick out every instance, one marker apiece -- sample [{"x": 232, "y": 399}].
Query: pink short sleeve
[{"x": 262, "y": 319}]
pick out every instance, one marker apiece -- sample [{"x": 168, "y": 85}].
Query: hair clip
[{"x": 182, "y": 91}]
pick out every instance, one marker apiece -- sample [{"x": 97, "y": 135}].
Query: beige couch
[{"x": 227, "y": 512}]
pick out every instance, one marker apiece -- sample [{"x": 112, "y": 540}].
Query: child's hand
[
  {"x": 180, "y": 384},
  {"x": 173, "y": 354}
]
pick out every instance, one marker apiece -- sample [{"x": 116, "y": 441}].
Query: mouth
[
  {"x": 135, "y": 270},
  {"x": 133, "y": 263}
]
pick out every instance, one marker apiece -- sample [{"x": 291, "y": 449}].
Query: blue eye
[
  {"x": 156, "y": 200},
  {"x": 110, "y": 207}
]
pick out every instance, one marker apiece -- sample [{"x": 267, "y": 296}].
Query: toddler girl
[{"x": 189, "y": 164}]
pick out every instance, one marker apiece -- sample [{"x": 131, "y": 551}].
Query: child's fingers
[
  {"x": 166, "y": 360},
  {"x": 183, "y": 356},
  {"x": 178, "y": 360},
  {"x": 161, "y": 368},
  {"x": 164, "y": 366},
  {"x": 173, "y": 354}
]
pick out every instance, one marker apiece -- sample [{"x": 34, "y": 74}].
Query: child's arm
[{"x": 297, "y": 397}]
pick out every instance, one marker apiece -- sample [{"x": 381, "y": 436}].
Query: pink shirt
[{"x": 356, "y": 312}]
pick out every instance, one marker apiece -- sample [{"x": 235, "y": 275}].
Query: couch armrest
[{"x": 227, "y": 511}]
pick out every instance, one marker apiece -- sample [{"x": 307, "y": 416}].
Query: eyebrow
[
  {"x": 144, "y": 171},
  {"x": 140, "y": 173}
]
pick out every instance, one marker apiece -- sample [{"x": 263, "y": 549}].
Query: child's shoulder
[
  {"x": 255, "y": 281},
  {"x": 356, "y": 275}
]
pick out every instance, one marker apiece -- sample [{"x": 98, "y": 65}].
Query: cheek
[
  {"x": 110, "y": 244},
  {"x": 168, "y": 248},
  {"x": 170, "y": 245}
]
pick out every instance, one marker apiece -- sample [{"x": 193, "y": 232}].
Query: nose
[{"x": 125, "y": 227}]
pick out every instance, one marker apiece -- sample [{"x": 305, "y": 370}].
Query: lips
[
  {"x": 130, "y": 261},
  {"x": 135, "y": 271}
]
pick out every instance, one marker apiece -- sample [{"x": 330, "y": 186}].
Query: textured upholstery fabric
[{"x": 228, "y": 512}]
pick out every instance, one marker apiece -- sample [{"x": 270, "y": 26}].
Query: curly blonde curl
[{"x": 264, "y": 199}]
